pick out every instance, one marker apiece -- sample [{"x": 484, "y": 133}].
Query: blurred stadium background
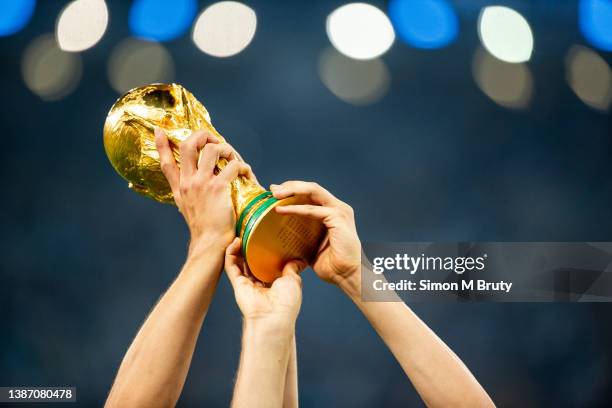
[{"x": 437, "y": 120}]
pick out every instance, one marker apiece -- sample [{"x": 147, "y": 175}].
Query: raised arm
[
  {"x": 438, "y": 375},
  {"x": 291, "y": 395},
  {"x": 154, "y": 368},
  {"x": 266, "y": 376}
]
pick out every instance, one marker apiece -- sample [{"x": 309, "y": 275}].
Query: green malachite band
[
  {"x": 252, "y": 220},
  {"x": 246, "y": 210}
]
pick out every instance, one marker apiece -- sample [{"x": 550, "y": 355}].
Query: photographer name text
[{"x": 426, "y": 285}]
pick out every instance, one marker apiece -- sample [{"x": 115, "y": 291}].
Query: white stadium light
[
  {"x": 505, "y": 34},
  {"x": 81, "y": 25},
  {"x": 225, "y": 28},
  {"x": 360, "y": 31}
]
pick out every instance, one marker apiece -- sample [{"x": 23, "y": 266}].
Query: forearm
[
  {"x": 266, "y": 350},
  {"x": 290, "y": 398},
  {"x": 154, "y": 368},
  {"x": 439, "y": 376}
]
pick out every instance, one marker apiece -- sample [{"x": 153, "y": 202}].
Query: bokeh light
[
  {"x": 48, "y": 71},
  {"x": 357, "y": 82},
  {"x": 14, "y": 15},
  {"x": 508, "y": 85},
  {"x": 360, "y": 31},
  {"x": 595, "y": 21},
  {"x": 135, "y": 62},
  {"x": 424, "y": 24},
  {"x": 505, "y": 34},
  {"x": 589, "y": 76},
  {"x": 161, "y": 20},
  {"x": 81, "y": 24},
  {"x": 225, "y": 28}
]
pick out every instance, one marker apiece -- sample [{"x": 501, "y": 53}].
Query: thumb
[{"x": 294, "y": 267}]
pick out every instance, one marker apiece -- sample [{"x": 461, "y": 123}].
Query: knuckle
[
  {"x": 187, "y": 185},
  {"x": 210, "y": 148},
  {"x": 184, "y": 188},
  {"x": 184, "y": 147},
  {"x": 165, "y": 165},
  {"x": 199, "y": 142},
  {"x": 226, "y": 152},
  {"x": 217, "y": 185},
  {"x": 205, "y": 133},
  {"x": 227, "y": 170},
  {"x": 235, "y": 170},
  {"x": 198, "y": 134},
  {"x": 198, "y": 182}
]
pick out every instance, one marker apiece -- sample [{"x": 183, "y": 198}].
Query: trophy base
[{"x": 270, "y": 240}]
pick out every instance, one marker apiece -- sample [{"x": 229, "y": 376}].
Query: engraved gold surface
[
  {"x": 129, "y": 139},
  {"x": 129, "y": 142},
  {"x": 276, "y": 239}
]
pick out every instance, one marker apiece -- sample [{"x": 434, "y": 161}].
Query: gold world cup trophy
[{"x": 268, "y": 239}]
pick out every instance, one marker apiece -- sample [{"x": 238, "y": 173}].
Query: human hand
[
  {"x": 203, "y": 197},
  {"x": 339, "y": 257},
  {"x": 278, "y": 303}
]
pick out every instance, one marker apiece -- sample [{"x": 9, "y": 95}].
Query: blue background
[{"x": 83, "y": 259}]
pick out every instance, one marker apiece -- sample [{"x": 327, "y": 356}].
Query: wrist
[
  {"x": 204, "y": 258},
  {"x": 351, "y": 284},
  {"x": 206, "y": 246},
  {"x": 277, "y": 328}
]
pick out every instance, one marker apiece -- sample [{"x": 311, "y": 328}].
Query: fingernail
[
  {"x": 300, "y": 265},
  {"x": 273, "y": 186}
]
